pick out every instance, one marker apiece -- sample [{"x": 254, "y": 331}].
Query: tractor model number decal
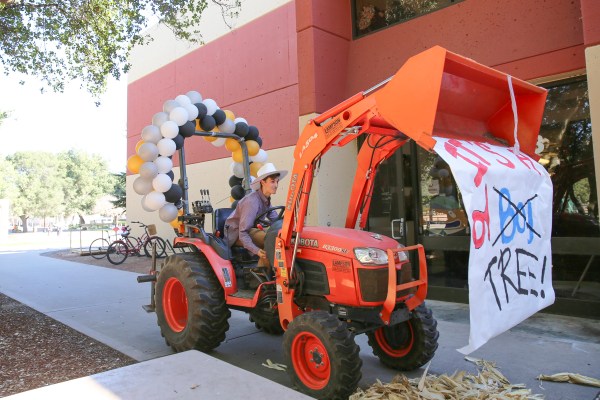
[
  {"x": 343, "y": 266},
  {"x": 279, "y": 294},
  {"x": 335, "y": 248},
  {"x": 292, "y": 190},
  {"x": 226, "y": 277},
  {"x": 307, "y": 143}
]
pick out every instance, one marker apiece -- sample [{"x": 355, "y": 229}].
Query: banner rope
[{"x": 516, "y": 148}]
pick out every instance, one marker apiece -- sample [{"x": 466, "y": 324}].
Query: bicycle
[
  {"x": 119, "y": 250},
  {"x": 99, "y": 246}
]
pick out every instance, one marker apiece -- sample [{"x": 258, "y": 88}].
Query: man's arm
[{"x": 247, "y": 217}]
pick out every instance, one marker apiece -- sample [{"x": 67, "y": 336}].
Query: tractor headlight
[{"x": 370, "y": 256}]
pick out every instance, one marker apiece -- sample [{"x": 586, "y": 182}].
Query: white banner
[{"x": 508, "y": 200}]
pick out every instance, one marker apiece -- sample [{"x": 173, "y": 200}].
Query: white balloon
[
  {"x": 194, "y": 96},
  {"x": 164, "y": 164},
  {"x": 162, "y": 183},
  {"x": 155, "y": 200},
  {"x": 183, "y": 99},
  {"x": 169, "y": 129},
  {"x": 160, "y": 118},
  {"x": 144, "y": 206},
  {"x": 148, "y": 151},
  {"x": 166, "y": 147},
  {"x": 240, "y": 119},
  {"x": 168, "y": 212},
  {"x": 179, "y": 115},
  {"x": 227, "y": 127},
  {"x": 219, "y": 142},
  {"x": 237, "y": 169},
  {"x": 151, "y": 134},
  {"x": 192, "y": 111},
  {"x": 142, "y": 186},
  {"x": 260, "y": 157},
  {"x": 211, "y": 106},
  {"x": 148, "y": 170},
  {"x": 169, "y": 105}
]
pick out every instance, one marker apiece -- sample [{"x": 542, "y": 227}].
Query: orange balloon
[
  {"x": 138, "y": 144},
  {"x": 174, "y": 223},
  {"x": 134, "y": 163},
  {"x": 216, "y": 129},
  {"x": 210, "y": 138},
  {"x": 237, "y": 156},
  {"x": 254, "y": 167},
  {"x": 253, "y": 147},
  {"x": 198, "y": 127},
  {"x": 232, "y": 145},
  {"x": 229, "y": 114}
]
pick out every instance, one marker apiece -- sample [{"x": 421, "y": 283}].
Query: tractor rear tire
[
  {"x": 408, "y": 345},
  {"x": 190, "y": 304},
  {"x": 322, "y": 356}
]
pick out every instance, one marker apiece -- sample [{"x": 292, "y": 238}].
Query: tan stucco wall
[
  {"x": 592, "y": 60},
  {"x": 165, "y": 48}
]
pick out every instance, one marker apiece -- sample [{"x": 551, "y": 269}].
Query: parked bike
[{"x": 119, "y": 250}]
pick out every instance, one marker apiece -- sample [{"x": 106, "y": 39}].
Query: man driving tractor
[{"x": 240, "y": 227}]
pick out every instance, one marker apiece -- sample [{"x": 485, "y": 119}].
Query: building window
[{"x": 373, "y": 15}]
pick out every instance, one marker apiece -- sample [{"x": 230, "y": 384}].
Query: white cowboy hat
[{"x": 265, "y": 171}]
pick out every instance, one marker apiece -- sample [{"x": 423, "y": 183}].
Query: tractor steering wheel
[{"x": 264, "y": 219}]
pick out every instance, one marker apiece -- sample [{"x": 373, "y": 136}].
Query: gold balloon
[
  {"x": 238, "y": 156},
  {"x": 210, "y": 138},
  {"x": 232, "y": 145},
  {"x": 253, "y": 147},
  {"x": 138, "y": 144},
  {"x": 229, "y": 114},
  {"x": 254, "y": 167},
  {"x": 174, "y": 223},
  {"x": 134, "y": 163}
]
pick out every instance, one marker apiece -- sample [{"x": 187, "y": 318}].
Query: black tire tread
[
  {"x": 426, "y": 342},
  {"x": 208, "y": 313},
  {"x": 344, "y": 357}
]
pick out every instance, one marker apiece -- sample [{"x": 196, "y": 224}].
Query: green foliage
[
  {"x": 119, "y": 190},
  {"x": 85, "y": 180},
  {"x": 43, "y": 184},
  {"x": 3, "y": 116},
  {"x": 60, "y": 41}
]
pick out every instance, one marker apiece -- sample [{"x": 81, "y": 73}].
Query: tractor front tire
[
  {"x": 190, "y": 304},
  {"x": 407, "y": 345},
  {"x": 322, "y": 356}
]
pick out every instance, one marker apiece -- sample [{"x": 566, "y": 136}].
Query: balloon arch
[{"x": 185, "y": 116}]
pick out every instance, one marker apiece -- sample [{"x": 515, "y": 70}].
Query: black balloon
[
  {"x": 252, "y": 133},
  {"x": 219, "y": 116},
  {"x": 178, "y": 141},
  {"x": 174, "y": 194},
  {"x": 234, "y": 180},
  {"x": 234, "y": 204},
  {"x": 201, "y": 110},
  {"x": 237, "y": 192},
  {"x": 259, "y": 141},
  {"x": 241, "y": 129},
  {"x": 171, "y": 175},
  {"x": 208, "y": 123},
  {"x": 187, "y": 129}
]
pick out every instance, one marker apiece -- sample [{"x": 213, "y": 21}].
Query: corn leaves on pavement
[
  {"x": 489, "y": 383},
  {"x": 571, "y": 378}
]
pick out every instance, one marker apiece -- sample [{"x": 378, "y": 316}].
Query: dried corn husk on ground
[
  {"x": 571, "y": 378},
  {"x": 489, "y": 383}
]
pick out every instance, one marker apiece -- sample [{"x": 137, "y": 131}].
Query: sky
[{"x": 56, "y": 122}]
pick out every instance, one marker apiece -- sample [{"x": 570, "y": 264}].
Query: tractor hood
[{"x": 343, "y": 240}]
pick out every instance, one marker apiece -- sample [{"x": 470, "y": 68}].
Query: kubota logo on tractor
[{"x": 308, "y": 142}]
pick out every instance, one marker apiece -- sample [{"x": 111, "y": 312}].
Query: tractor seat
[{"x": 238, "y": 253}]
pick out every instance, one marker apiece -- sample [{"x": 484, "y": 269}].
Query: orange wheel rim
[
  {"x": 396, "y": 343},
  {"x": 311, "y": 360},
  {"x": 175, "y": 305}
]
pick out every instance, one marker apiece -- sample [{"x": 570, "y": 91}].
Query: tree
[
  {"x": 8, "y": 183},
  {"x": 86, "y": 179},
  {"x": 119, "y": 191},
  {"x": 38, "y": 185},
  {"x": 60, "y": 41},
  {"x": 3, "y": 116}
]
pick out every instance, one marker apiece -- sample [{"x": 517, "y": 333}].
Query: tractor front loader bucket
[{"x": 439, "y": 93}]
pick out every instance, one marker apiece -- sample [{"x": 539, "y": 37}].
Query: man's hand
[{"x": 262, "y": 253}]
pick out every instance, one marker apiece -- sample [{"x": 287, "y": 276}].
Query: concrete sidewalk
[{"x": 106, "y": 305}]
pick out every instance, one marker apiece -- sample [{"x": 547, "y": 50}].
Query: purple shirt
[{"x": 242, "y": 219}]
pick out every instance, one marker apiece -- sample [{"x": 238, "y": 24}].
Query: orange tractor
[{"x": 332, "y": 283}]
